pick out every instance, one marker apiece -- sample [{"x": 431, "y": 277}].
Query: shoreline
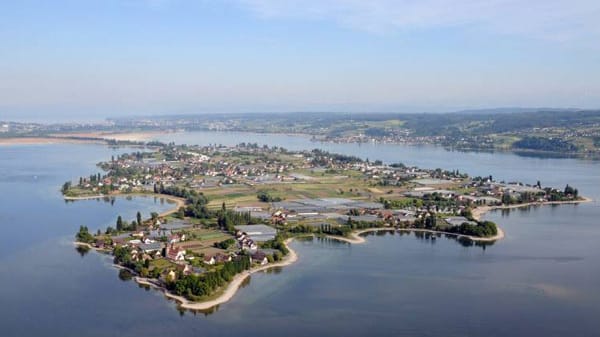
[
  {"x": 230, "y": 290},
  {"x": 478, "y": 212},
  {"x": 82, "y": 138},
  {"x": 132, "y": 136},
  {"x": 179, "y": 202},
  {"x": 357, "y": 239}
]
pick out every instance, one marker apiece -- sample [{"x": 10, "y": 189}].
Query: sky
[{"x": 85, "y": 59}]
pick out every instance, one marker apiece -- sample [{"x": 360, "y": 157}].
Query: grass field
[
  {"x": 161, "y": 264},
  {"x": 201, "y": 241}
]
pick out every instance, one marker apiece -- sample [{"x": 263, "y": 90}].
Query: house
[
  {"x": 174, "y": 238},
  {"x": 184, "y": 268},
  {"x": 119, "y": 240},
  {"x": 259, "y": 257},
  {"x": 248, "y": 244},
  {"x": 222, "y": 258},
  {"x": 259, "y": 233},
  {"x": 139, "y": 234},
  {"x": 99, "y": 244},
  {"x": 209, "y": 260},
  {"x": 175, "y": 253}
]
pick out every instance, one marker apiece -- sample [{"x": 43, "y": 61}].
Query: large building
[{"x": 258, "y": 233}]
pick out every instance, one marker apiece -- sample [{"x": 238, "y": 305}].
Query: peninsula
[{"x": 237, "y": 208}]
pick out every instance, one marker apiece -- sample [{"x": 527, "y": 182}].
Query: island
[{"x": 237, "y": 208}]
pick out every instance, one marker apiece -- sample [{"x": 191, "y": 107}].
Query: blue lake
[{"x": 542, "y": 279}]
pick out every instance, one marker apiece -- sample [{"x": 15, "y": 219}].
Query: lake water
[{"x": 542, "y": 279}]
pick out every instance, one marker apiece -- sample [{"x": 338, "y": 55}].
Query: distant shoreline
[
  {"x": 132, "y": 136},
  {"x": 81, "y": 138}
]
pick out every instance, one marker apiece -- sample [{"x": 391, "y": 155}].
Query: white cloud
[{"x": 557, "y": 20}]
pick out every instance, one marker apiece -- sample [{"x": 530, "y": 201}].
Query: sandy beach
[
  {"x": 87, "y": 197},
  {"x": 44, "y": 141},
  {"x": 232, "y": 287},
  {"x": 72, "y": 138},
  {"x": 129, "y": 136},
  {"x": 355, "y": 237}
]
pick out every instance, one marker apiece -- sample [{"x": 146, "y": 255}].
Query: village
[{"x": 238, "y": 204}]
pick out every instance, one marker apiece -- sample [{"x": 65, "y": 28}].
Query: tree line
[{"x": 194, "y": 287}]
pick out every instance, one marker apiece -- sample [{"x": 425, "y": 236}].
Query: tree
[
  {"x": 119, "y": 223},
  {"x": 570, "y": 190},
  {"x": 66, "y": 187},
  {"x": 139, "y": 218},
  {"x": 180, "y": 213},
  {"x": 467, "y": 213},
  {"x": 506, "y": 199},
  {"x": 84, "y": 235}
]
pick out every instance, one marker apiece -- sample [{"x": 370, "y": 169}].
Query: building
[
  {"x": 459, "y": 220},
  {"x": 210, "y": 260},
  {"x": 175, "y": 253},
  {"x": 258, "y": 233},
  {"x": 150, "y": 247},
  {"x": 259, "y": 257}
]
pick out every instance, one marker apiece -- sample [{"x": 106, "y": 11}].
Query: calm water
[{"x": 542, "y": 279}]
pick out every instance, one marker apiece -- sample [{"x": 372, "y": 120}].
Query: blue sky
[{"x": 97, "y": 58}]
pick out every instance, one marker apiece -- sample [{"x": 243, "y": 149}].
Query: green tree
[
  {"x": 119, "y": 223},
  {"x": 180, "y": 213},
  {"x": 84, "y": 235},
  {"x": 65, "y": 187}
]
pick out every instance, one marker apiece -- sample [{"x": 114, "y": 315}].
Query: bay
[{"x": 542, "y": 279}]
